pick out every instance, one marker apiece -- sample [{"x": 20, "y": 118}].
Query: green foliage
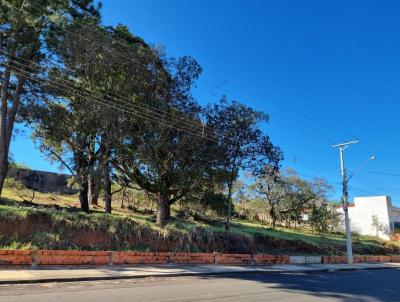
[
  {"x": 287, "y": 196},
  {"x": 132, "y": 122},
  {"x": 27, "y": 32},
  {"x": 163, "y": 160},
  {"x": 125, "y": 122},
  {"x": 325, "y": 219},
  {"x": 252, "y": 210},
  {"x": 216, "y": 202},
  {"x": 40, "y": 239},
  {"x": 63, "y": 229},
  {"x": 377, "y": 225},
  {"x": 242, "y": 146},
  {"x": 14, "y": 184},
  {"x": 72, "y": 184},
  {"x": 21, "y": 166}
]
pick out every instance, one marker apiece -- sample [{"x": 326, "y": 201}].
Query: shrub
[
  {"x": 13, "y": 183},
  {"x": 324, "y": 219}
]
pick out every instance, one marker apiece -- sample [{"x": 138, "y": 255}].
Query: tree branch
[{"x": 51, "y": 152}]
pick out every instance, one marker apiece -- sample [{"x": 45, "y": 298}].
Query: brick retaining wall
[{"x": 61, "y": 257}]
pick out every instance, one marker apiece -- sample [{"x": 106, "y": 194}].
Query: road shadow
[{"x": 350, "y": 286}]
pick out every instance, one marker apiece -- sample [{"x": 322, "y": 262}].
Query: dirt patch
[
  {"x": 25, "y": 226},
  {"x": 275, "y": 245}
]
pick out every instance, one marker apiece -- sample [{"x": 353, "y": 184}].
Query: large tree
[
  {"x": 287, "y": 195},
  {"x": 274, "y": 190},
  {"x": 242, "y": 145},
  {"x": 26, "y": 28},
  {"x": 170, "y": 158},
  {"x": 107, "y": 76},
  {"x": 64, "y": 133}
]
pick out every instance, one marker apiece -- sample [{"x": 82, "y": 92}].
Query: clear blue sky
[{"x": 325, "y": 71}]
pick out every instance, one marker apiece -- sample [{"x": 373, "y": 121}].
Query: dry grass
[{"x": 56, "y": 204}]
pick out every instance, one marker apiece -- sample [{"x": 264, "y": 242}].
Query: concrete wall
[
  {"x": 42, "y": 181},
  {"x": 364, "y": 210}
]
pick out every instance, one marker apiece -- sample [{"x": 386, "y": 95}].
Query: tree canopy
[{"x": 119, "y": 113}]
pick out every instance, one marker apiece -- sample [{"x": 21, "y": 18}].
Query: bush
[
  {"x": 324, "y": 219},
  {"x": 216, "y": 202},
  {"x": 13, "y": 183},
  {"x": 72, "y": 183},
  {"x": 21, "y": 166}
]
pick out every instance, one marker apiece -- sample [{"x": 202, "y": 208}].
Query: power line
[
  {"x": 117, "y": 106},
  {"x": 126, "y": 45},
  {"x": 382, "y": 173},
  {"x": 83, "y": 25},
  {"x": 387, "y": 159},
  {"x": 86, "y": 26},
  {"x": 94, "y": 30},
  {"x": 188, "y": 124},
  {"x": 159, "y": 112},
  {"x": 137, "y": 105}
]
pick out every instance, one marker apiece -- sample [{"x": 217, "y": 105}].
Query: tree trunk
[
  {"x": 3, "y": 171},
  {"x": 8, "y": 116},
  {"x": 228, "y": 220},
  {"x": 272, "y": 216},
  {"x": 123, "y": 198},
  {"x": 163, "y": 210},
  {"x": 93, "y": 189},
  {"x": 83, "y": 196},
  {"x": 107, "y": 190},
  {"x": 82, "y": 178},
  {"x": 3, "y": 130},
  {"x": 93, "y": 181},
  {"x": 105, "y": 169}
]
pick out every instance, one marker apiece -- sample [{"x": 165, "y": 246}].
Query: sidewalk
[{"x": 63, "y": 274}]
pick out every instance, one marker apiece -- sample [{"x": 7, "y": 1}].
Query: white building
[{"x": 374, "y": 216}]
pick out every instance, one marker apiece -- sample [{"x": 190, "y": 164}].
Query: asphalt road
[{"x": 368, "y": 285}]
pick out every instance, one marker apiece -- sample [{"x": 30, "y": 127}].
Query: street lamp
[
  {"x": 342, "y": 147},
  {"x": 373, "y": 157}
]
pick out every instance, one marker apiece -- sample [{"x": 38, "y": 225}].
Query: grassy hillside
[{"x": 55, "y": 222}]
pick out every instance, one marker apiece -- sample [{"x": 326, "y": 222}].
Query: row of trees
[
  {"x": 287, "y": 199},
  {"x": 113, "y": 109}
]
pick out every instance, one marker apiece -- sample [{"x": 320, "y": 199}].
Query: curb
[{"x": 183, "y": 274}]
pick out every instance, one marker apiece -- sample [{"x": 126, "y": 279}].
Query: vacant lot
[{"x": 55, "y": 222}]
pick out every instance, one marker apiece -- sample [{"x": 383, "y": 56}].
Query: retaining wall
[
  {"x": 42, "y": 181},
  {"x": 60, "y": 257}
]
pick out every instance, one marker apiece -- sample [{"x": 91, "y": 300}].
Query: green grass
[
  {"x": 62, "y": 212},
  {"x": 306, "y": 235}
]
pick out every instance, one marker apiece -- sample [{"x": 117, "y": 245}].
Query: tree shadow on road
[{"x": 366, "y": 285}]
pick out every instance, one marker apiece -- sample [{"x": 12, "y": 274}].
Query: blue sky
[{"x": 325, "y": 71}]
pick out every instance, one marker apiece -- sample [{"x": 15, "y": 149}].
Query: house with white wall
[{"x": 374, "y": 216}]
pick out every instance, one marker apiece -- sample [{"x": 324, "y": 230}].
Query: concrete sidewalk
[{"x": 69, "y": 274}]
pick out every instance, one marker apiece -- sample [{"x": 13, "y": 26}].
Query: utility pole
[{"x": 342, "y": 147}]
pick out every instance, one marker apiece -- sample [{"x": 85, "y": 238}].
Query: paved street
[
  {"x": 368, "y": 285},
  {"x": 76, "y": 273}
]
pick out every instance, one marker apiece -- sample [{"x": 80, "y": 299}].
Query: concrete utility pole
[{"x": 342, "y": 147}]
